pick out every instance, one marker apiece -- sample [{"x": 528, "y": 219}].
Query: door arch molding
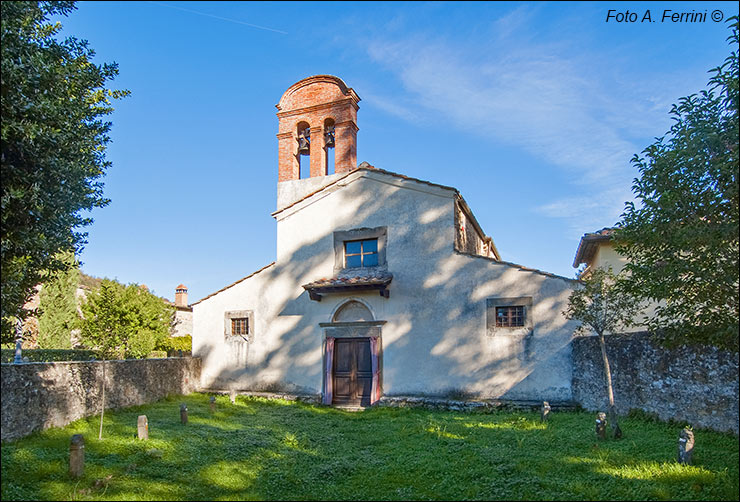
[{"x": 346, "y": 303}]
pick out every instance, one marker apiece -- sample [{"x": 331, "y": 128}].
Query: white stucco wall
[
  {"x": 183, "y": 323},
  {"x": 435, "y": 339},
  {"x": 606, "y": 256}
]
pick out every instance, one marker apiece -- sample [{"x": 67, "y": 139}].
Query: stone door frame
[{"x": 356, "y": 329}]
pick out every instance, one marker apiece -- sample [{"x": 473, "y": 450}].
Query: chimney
[{"x": 181, "y": 296}]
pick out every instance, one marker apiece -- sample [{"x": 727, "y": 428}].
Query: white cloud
[
  {"x": 589, "y": 212},
  {"x": 544, "y": 98},
  {"x": 392, "y": 106}
]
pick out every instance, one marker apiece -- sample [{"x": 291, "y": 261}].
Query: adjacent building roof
[{"x": 590, "y": 243}]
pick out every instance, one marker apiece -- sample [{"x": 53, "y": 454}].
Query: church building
[{"x": 383, "y": 285}]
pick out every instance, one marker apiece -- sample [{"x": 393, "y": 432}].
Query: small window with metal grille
[
  {"x": 510, "y": 316},
  {"x": 240, "y": 326}
]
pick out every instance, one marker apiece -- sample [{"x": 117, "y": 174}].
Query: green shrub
[
  {"x": 127, "y": 320},
  {"x": 157, "y": 354},
  {"x": 49, "y": 355},
  {"x": 175, "y": 343}
]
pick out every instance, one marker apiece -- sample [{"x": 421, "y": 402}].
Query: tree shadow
[
  {"x": 424, "y": 350},
  {"x": 269, "y": 449}
]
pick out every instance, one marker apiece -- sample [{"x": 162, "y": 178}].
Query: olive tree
[{"x": 603, "y": 306}]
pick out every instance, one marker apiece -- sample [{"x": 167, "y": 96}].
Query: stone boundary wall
[
  {"x": 695, "y": 385},
  {"x": 36, "y": 396}
]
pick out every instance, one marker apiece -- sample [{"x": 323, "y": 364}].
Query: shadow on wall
[{"x": 458, "y": 350}]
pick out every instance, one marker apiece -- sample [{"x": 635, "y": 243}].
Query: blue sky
[{"x": 531, "y": 110}]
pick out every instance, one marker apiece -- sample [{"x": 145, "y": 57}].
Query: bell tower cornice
[
  {"x": 315, "y": 115},
  {"x": 285, "y": 101}
]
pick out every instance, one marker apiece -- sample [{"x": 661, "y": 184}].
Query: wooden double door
[{"x": 353, "y": 372}]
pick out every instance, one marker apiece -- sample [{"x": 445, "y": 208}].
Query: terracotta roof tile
[
  {"x": 586, "y": 247},
  {"x": 353, "y": 277}
]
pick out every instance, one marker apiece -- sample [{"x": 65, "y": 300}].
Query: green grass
[{"x": 261, "y": 449}]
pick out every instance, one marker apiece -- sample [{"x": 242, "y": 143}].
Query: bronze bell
[
  {"x": 329, "y": 137},
  {"x": 304, "y": 142}
]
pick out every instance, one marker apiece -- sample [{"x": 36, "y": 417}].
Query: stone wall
[
  {"x": 36, "y": 396},
  {"x": 698, "y": 386}
]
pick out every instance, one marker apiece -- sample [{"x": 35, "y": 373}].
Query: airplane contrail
[{"x": 219, "y": 17}]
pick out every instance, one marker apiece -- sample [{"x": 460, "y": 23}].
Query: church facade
[{"x": 382, "y": 285}]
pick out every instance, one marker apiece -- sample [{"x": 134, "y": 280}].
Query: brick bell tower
[{"x": 314, "y": 115}]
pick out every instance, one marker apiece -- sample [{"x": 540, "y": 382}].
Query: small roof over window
[{"x": 360, "y": 280}]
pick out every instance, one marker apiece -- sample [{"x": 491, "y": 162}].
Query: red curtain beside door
[
  {"x": 328, "y": 370},
  {"x": 375, "y": 389}
]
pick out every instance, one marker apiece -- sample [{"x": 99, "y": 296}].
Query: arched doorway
[{"x": 352, "y": 356}]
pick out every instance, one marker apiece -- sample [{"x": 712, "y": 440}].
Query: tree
[
  {"x": 682, "y": 242},
  {"x": 124, "y": 321},
  {"x": 603, "y": 306},
  {"x": 53, "y": 146},
  {"x": 58, "y": 306},
  {"x": 100, "y": 328}
]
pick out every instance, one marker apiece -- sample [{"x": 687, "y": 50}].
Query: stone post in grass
[
  {"x": 545, "y": 411},
  {"x": 685, "y": 446},
  {"x": 143, "y": 427},
  {"x": 184, "y": 413},
  {"x": 601, "y": 425},
  {"x": 77, "y": 456}
]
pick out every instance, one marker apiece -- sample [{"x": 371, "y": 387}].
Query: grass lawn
[{"x": 261, "y": 449}]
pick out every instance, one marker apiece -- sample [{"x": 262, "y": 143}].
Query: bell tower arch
[{"x": 314, "y": 115}]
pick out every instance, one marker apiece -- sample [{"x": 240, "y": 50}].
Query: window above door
[
  {"x": 360, "y": 248},
  {"x": 361, "y": 253}
]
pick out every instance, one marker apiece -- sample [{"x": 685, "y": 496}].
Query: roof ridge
[
  {"x": 516, "y": 265},
  {"x": 368, "y": 169},
  {"x": 233, "y": 284}
]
